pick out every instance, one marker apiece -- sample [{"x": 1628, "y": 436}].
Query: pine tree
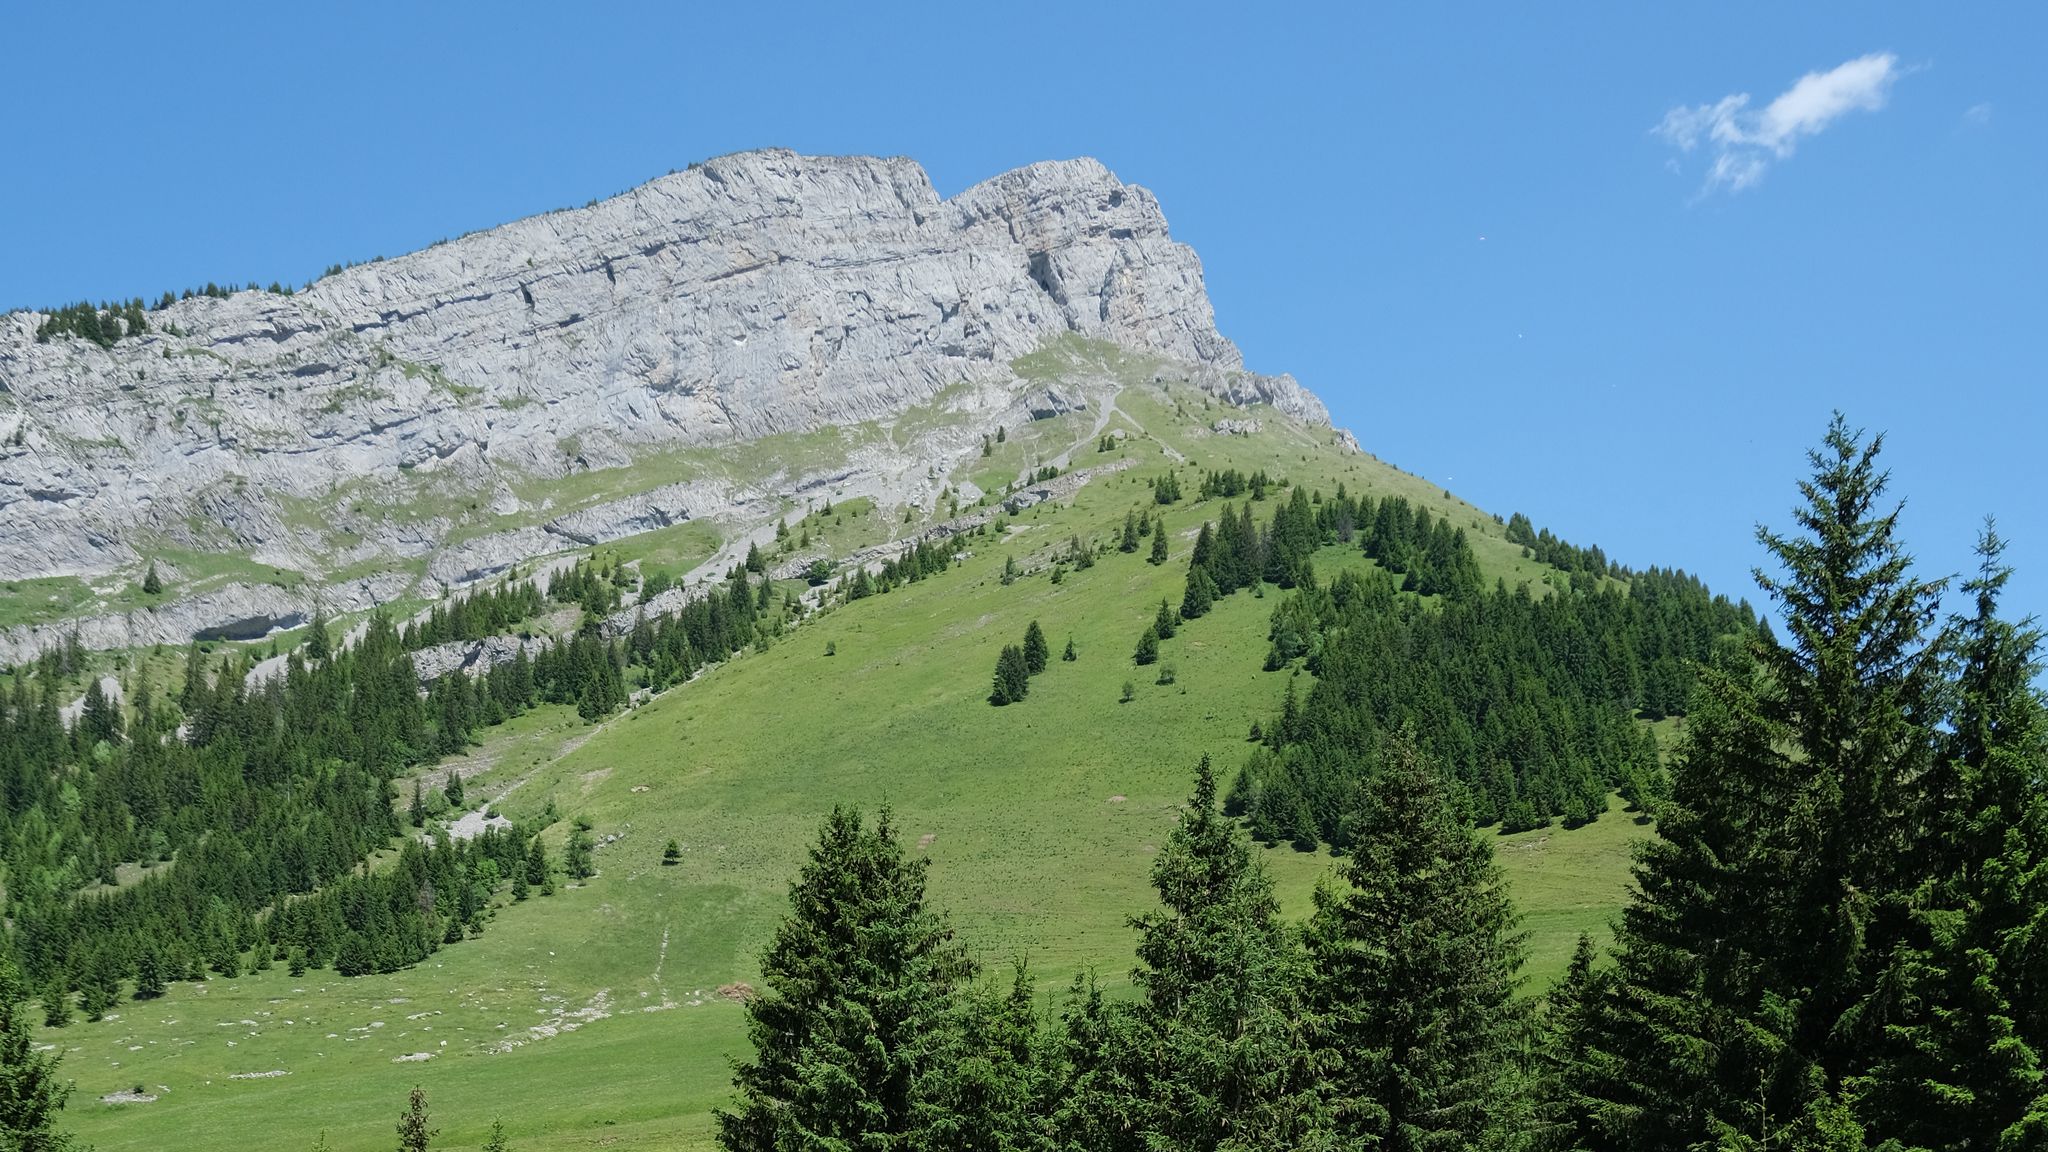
[
  {"x": 1148, "y": 647},
  {"x": 672, "y": 854},
  {"x": 1960, "y": 1063},
  {"x": 1013, "y": 677},
  {"x": 149, "y": 973},
  {"x": 498, "y": 1141},
  {"x": 1158, "y": 555},
  {"x": 1200, "y": 595},
  {"x": 56, "y": 1000},
  {"x": 413, "y": 1133},
  {"x": 1222, "y": 1038},
  {"x": 151, "y": 582},
  {"x": 417, "y": 810},
  {"x": 1130, "y": 540},
  {"x": 1778, "y": 879},
  {"x": 862, "y": 980},
  {"x": 453, "y": 789},
  {"x": 1036, "y": 652},
  {"x": 537, "y": 871},
  {"x": 1164, "y": 621},
  {"x": 30, "y": 1093},
  {"x": 1414, "y": 972},
  {"x": 1070, "y": 655}
]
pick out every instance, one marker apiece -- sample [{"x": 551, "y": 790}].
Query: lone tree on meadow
[{"x": 1158, "y": 555}]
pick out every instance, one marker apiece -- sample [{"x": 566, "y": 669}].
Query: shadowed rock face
[{"x": 756, "y": 294}]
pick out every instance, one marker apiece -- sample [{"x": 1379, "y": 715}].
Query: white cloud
[
  {"x": 1977, "y": 115},
  {"x": 1744, "y": 143}
]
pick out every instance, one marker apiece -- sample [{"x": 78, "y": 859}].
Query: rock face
[{"x": 752, "y": 296}]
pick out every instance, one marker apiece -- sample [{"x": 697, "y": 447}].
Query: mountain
[{"x": 409, "y": 425}]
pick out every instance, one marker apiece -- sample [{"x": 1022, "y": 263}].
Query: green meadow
[{"x": 607, "y": 1015}]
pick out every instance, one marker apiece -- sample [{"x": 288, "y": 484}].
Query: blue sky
[{"x": 1636, "y": 354}]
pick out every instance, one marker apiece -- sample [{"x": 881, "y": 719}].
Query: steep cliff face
[{"x": 752, "y": 296}]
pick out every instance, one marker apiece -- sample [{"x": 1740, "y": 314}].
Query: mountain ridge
[{"x": 755, "y": 296}]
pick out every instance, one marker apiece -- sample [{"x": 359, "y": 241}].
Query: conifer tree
[
  {"x": 1158, "y": 555},
  {"x": 1779, "y": 877},
  {"x": 1070, "y": 655},
  {"x": 1130, "y": 540},
  {"x": 1164, "y": 622},
  {"x": 1012, "y": 679},
  {"x": 151, "y": 582},
  {"x": 1036, "y": 651},
  {"x": 1960, "y": 1062},
  {"x": 1148, "y": 647},
  {"x": 414, "y": 1135},
  {"x": 417, "y": 810},
  {"x": 861, "y": 982},
  {"x": 1414, "y": 973},
  {"x": 30, "y": 1093},
  {"x": 1222, "y": 1038}
]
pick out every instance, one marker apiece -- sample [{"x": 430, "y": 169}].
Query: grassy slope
[{"x": 1040, "y": 819}]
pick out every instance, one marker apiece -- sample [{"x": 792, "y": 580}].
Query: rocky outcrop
[{"x": 440, "y": 404}]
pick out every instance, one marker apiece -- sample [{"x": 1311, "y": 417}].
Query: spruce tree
[
  {"x": 1164, "y": 622},
  {"x": 1130, "y": 540},
  {"x": 151, "y": 582},
  {"x": 1158, "y": 555},
  {"x": 1960, "y": 1063},
  {"x": 414, "y": 1135},
  {"x": 30, "y": 1093},
  {"x": 1012, "y": 679},
  {"x": 1414, "y": 973},
  {"x": 1779, "y": 878},
  {"x": 861, "y": 984},
  {"x": 1221, "y": 1036},
  {"x": 1148, "y": 647},
  {"x": 1036, "y": 651},
  {"x": 1070, "y": 655}
]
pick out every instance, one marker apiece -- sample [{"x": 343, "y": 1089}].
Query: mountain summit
[{"x": 412, "y": 423}]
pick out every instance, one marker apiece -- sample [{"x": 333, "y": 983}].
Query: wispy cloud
[
  {"x": 1977, "y": 115},
  {"x": 1743, "y": 144}
]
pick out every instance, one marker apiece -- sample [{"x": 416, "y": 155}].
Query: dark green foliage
[
  {"x": 1158, "y": 555},
  {"x": 1166, "y": 489},
  {"x": 496, "y": 611},
  {"x": 417, "y": 810},
  {"x": 756, "y": 562},
  {"x": 1164, "y": 622},
  {"x": 852, "y": 1037},
  {"x": 1130, "y": 538},
  {"x": 577, "y": 854},
  {"x": 150, "y": 975},
  {"x": 672, "y": 854},
  {"x": 30, "y": 1093},
  {"x": 56, "y": 998},
  {"x": 1960, "y": 1062},
  {"x": 453, "y": 788},
  {"x": 1148, "y": 647},
  {"x": 1219, "y": 1049},
  {"x": 1548, "y": 549},
  {"x": 151, "y": 582},
  {"x": 1070, "y": 655},
  {"x": 413, "y": 1133},
  {"x": 498, "y": 1141},
  {"x": 1784, "y": 973},
  {"x": 1013, "y": 677},
  {"x": 103, "y": 323},
  {"x": 1199, "y": 597},
  {"x": 1414, "y": 972},
  {"x": 1036, "y": 651},
  {"x": 818, "y": 572}
]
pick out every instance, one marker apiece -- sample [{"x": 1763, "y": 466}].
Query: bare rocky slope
[{"x": 422, "y": 422}]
